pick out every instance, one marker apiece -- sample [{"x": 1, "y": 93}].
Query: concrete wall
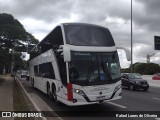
[{"x": 155, "y": 83}]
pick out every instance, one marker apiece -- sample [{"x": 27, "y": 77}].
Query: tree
[
  {"x": 12, "y": 33},
  {"x": 13, "y": 36},
  {"x": 19, "y": 62},
  {"x": 147, "y": 69},
  {"x": 152, "y": 68},
  {"x": 5, "y": 60},
  {"x": 128, "y": 70},
  {"x": 140, "y": 68},
  {"x": 125, "y": 70},
  {"x": 143, "y": 68}
]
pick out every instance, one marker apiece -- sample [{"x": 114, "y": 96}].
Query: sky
[{"x": 39, "y": 17}]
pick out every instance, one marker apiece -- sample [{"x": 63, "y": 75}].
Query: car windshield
[
  {"x": 90, "y": 68},
  {"x": 134, "y": 76},
  {"x": 24, "y": 72}
]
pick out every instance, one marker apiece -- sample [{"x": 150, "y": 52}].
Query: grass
[{"x": 19, "y": 103}]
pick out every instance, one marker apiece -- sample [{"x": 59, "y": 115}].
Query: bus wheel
[
  {"x": 32, "y": 83},
  {"x": 48, "y": 90},
  {"x": 54, "y": 94}
]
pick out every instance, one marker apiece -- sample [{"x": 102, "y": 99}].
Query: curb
[{"x": 34, "y": 104}]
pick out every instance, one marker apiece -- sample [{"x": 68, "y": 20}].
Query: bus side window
[
  {"x": 36, "y": 70},
  {"x": 62, "y": 68},
  {"x": 47, "y": 71}
]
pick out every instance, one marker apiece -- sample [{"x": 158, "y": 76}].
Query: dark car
[
  {"x": 23, "y": 74},
  {"x": 134, "y": 81}
]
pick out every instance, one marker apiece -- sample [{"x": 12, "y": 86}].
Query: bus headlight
[
  {"x": 117, "y": 88},
  {"x": 80, "y": 92}
]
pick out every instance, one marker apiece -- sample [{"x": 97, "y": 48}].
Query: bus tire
[
  {"x": 32, "y": 82},
  {"x": 48, "y": 91},
  {"x": 54, "y": 94}
]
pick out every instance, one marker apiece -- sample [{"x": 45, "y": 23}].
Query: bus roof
[{"x": 65, "y": 27}]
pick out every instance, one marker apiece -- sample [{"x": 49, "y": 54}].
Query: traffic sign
[{"x": 157, "y": 42}]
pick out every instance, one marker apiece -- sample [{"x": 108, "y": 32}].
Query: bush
[
  {"x": 139, "y": 68},
  {"x": 147, "y": 69}
]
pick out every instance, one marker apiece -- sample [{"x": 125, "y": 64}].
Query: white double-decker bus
[{"x": 77, "y": 64}]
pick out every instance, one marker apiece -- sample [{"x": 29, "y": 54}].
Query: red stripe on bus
[{"x": 69, "y": 92}]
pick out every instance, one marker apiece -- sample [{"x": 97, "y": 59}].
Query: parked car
[
  {"x": 134, "y": 81},
  {"x": 22, "y": 73},
  {"x": 156, "y": 76}
]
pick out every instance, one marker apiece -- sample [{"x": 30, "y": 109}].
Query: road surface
[{"x": 134, "y": 101}]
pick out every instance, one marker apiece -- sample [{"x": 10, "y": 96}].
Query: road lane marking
[
  {"x": 118, "y": 105},
  {"x": 156, "y": 98}
]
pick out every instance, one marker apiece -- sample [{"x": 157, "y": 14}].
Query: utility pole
[
  {"x": 131, "y": 42},
  {"x": 12, "y": 63},
  {"x": 4, "y": 69}
]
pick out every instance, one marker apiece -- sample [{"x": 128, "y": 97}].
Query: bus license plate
[{"x": 100, "y": 97}]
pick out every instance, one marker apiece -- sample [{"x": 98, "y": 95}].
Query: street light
[
  {"x": 148, "y": 57},
  {"x": 131, "y": 41}
]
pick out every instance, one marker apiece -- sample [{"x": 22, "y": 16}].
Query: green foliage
[
  {"x": 19, "y": 63},
  {"x": 5, "y": 59},
  {"x": 12, "y": 33},
  {"x": 128, "y": 70},
  {"x": 140, "y": 68},
  {"x": 144, "y": 68},
  {"x": 152, "y": 68},
  {"x": 12, "y": 36},
  {"x": 125, "y": 70},
  {"x": 134, "y": 66}
]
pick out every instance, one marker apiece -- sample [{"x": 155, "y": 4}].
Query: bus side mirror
[
  {"x": 66, "y": 54},
  {"x": 127, "y": 51}
]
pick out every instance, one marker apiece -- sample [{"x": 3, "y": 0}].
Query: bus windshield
[
  {"x": 88, "y": 35},
  {"x": 89, "y": 68}
]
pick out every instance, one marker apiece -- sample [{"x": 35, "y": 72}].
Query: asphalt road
[{"x": 133, "y": 102}]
